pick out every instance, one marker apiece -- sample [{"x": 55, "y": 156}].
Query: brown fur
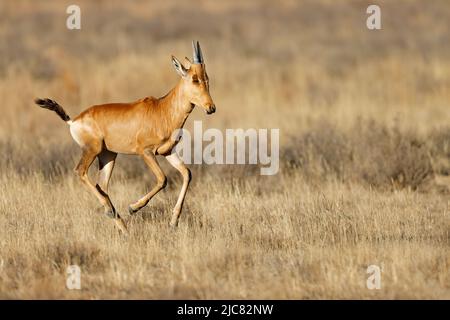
[
  {"x": 148, "y": 123},
  {"x": 144, "y": 127}
]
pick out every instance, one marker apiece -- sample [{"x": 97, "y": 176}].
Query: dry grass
[{"x": 365, "y": 151}]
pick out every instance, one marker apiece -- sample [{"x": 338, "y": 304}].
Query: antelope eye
[{"x": 195, "y": 80}]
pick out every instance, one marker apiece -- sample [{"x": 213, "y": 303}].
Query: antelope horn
[
  {"x": 199, "y": 51},
  {"x": 196, "y": 52}
]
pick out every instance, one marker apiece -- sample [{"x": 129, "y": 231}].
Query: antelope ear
[{"x": 181, "y": 70}]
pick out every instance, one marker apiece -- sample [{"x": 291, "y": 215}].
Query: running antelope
[{"x": 144, "y": 127}]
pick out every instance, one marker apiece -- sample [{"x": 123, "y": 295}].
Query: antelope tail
[{"x": 54, "y": 106}]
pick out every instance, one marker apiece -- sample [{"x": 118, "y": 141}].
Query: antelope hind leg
[{"x": 82, "y": 169}]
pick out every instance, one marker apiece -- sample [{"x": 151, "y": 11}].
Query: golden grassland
[{"x": 364, "y": 121}]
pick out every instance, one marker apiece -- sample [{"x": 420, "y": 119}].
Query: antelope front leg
[
  {"x": 150, "y": 160},
  {"x": 176, "y": 162}
]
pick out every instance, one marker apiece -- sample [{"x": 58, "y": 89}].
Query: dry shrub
[
  {"x": 439, "y": 146},
  {"x": 368, "y": 153}
]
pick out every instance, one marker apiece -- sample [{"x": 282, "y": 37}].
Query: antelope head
[{"x": 194, "y": 80}]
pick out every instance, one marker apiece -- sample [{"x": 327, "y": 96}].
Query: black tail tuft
[{"x": 54, "y": 106}]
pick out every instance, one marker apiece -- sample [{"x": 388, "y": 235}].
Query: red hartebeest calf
[{"x": 144, "y": 127}]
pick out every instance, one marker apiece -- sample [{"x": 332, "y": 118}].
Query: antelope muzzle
[{"x": 211, "y": 109}]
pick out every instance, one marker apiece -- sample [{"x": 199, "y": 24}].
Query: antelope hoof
[
  {"x": 121, "y": 225},
  {"x": 132, "y": 211},
  {"x": 111, "y": 214},
  {"x": 173, "y": 225}
]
